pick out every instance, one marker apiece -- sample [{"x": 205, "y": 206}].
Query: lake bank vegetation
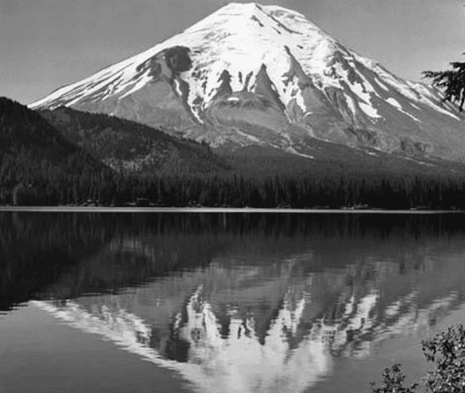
[
  {"x": 446, "y": 351},
  {"x": 332, "y": 191}
]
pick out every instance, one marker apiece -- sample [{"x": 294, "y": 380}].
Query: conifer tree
[{"x": 452, "y": 82}]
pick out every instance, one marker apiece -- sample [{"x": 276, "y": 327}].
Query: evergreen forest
[{"x": 40, "y": 165}]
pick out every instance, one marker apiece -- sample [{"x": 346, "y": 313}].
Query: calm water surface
[{"x": 173, "y": 302}]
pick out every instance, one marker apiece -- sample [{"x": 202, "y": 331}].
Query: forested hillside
[
  {"x": 130, "y": 147},
  {"x": 39, "y": 166}
]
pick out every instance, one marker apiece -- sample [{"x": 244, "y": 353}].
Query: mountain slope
[
  {"x": 264, "y": 75},
  {"x": 135, "y": 148},
  {"x": 132, "y": 147}
]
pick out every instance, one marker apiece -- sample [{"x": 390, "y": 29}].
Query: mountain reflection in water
[{"x": 251, "y": 303}]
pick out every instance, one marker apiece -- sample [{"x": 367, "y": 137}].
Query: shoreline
[{"x": 86, "y": 209}]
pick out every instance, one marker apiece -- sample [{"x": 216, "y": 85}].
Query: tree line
[{"x": 44, "y": 185}]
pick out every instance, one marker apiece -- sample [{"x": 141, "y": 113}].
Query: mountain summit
[{"x": 265, "y": 75}]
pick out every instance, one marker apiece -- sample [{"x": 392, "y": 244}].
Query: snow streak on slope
[
  {"x": 397, "y": 105},
  {"x": 414, "y": 91}
]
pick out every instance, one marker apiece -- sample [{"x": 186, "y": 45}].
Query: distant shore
[{"x": 103, "y": 209}]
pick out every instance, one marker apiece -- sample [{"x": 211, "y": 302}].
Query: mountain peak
[
  {"x": 242, "y": 7},
  {"x": 240, "y": 36},
  {"x": 251, "y": 8},
  {"x": 266, "y": 75}
]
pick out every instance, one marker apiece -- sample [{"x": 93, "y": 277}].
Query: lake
[{"x": 231, "y": 302}]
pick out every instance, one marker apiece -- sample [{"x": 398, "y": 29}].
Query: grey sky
[{"x": 45, "y": 44}]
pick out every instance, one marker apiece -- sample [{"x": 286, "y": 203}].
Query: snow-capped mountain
[{"x": 264, "y": 75}]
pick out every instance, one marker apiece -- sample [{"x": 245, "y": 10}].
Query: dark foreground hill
[
  {"x": 34, "y": 156},
  {"x": 24, "y": 133}
]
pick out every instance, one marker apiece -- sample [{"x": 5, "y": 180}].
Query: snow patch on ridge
[
  {"x": 369, "y": 110},
  {"x": 381, "y": 84},
  {"x": 248, "y": 136},
  {"x": 396, "y": 104},
  {"x": 351, "y": 104},
  {"x": 139, "y": 85},
  {"x": 439, "y": 109},
  {"x": 292, "y": 150}
]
